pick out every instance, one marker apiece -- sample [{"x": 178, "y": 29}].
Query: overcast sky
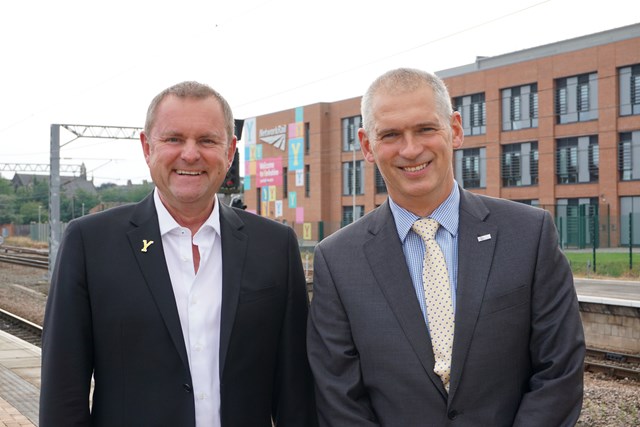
[{"x": 100, "y": 63}]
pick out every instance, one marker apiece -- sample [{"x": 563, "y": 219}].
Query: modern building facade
[{"x": 556, "y": 126}]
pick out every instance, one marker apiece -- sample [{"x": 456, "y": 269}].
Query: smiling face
[
  {"x": 412, "y": 146},
  {"x": 188, "y": 153}
]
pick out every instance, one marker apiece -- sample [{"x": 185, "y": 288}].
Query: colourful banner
[
  {"x": 296, "y": 153},
  {"x": 269, "y": 172},
  {"x": 293, "y": 199},
  {"x": 249, "y": 131},
  {"x": 306, "y": 231}
]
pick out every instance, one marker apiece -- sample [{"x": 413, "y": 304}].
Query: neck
[{"x": 191, "y": 217}]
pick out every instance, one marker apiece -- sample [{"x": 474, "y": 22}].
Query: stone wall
[{"x": 611, "y": 327}]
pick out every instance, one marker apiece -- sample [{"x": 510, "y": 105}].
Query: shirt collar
[
  {"x": 167, "y": 223},
  {"x": 447, "y": 215}
]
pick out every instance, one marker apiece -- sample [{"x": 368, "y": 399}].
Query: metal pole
[
  {"x": 593, "y": 238},
  {"x": 353, "y": 182},
  {"x": 630, "y": 241},
  {"x": 54, "y": 197}
]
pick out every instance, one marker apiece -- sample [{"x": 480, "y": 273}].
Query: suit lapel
[
  {"x": 474, "y": 262},
  {"x": 154, "y": 268},
  {"x": 386, "y": 259},
  {"x": 234, "y": 249}
]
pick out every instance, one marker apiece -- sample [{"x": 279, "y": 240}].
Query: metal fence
[{"x": 592, "y": 226}]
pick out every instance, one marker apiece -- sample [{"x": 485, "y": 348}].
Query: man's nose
[
  {"x": 411, "y": 146},
  {"x": 190, "y": 151}
]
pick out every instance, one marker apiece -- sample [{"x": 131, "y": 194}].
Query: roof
[
  {"x": 570, "y": 45},
  {"x": 68, "y": 184}
]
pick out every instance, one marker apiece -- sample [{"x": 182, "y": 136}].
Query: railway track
[
  {"x": 20, "y": 328},
  {"x": 37, "y": 258},
  {"x": 618, "y": 365}
]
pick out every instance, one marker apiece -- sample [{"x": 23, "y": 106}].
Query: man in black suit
[{"x": 185, "y": 311}]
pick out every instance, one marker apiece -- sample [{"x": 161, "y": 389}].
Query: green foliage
[
  {"x": 7, "y": 208},
  {"x": 5, "y": 187},
  {"x": 32, "y": 212},
  {"x": 126, "y": 194},
  {"x": 607, "y": 264},
  {"x": 26, "y": 204}
]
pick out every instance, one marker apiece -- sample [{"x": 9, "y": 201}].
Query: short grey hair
[
  {"x": 191, "y": 89},
  {"x": 402, "y": 80}
]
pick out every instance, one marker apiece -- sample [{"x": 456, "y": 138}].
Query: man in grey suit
[{"x": 517, "y": 351}]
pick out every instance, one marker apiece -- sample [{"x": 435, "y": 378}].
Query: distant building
[
  {"x": 69, "y": 185},
  {"x": 556, "y": 126}
]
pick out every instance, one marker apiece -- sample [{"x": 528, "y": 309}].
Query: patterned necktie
[{"x": 437, "y": 293}]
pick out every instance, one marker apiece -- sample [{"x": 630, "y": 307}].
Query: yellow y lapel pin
[{"x": 145, "y": 245}]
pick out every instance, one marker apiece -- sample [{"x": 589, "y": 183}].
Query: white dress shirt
[{"x": 199, "y": 299}]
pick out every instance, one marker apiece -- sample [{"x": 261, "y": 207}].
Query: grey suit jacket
[
  {"x": 111, "y": 312},
  {"x": 518, "y": 348}
]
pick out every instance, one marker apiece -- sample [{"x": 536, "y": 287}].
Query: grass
[{"x": 607, "y": 264}]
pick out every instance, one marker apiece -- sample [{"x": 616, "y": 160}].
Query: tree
[
  {"x": 31, "y": 212},
  {"x": 7, "y": 208},
  {"x": 5, "y": 186}
]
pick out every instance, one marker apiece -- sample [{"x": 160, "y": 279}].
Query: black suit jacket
[{"x": 111, "y": 313}]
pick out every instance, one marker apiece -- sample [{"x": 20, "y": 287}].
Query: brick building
[{"x": 556, "y": 126}]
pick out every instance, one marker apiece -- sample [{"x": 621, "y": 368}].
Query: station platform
[
  {"x": 20, "y": 361},
  {"x": 608, "y": 291},
  {"x": 19, "y": 382}
]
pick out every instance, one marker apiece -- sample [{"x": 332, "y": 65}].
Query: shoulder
[
  {"x": 251, "y": 220},
  {"x": 359, "y": 230},
  {"x": 497, "y": 209},
  {"x": 108, "y": 217}
]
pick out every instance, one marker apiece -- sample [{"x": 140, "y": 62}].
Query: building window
[
  {"x": 473, "y": 110},
  {"x": 471, "y": 167},
  {"x": 630, "y": 220},
  {"x": 348, "y": 216},
  {"x": 307, "y": 181},
  {"x": 577, "y": 160},
  {"x": 350, "y": 126},
  {"x": 520, "y": 107},
  {"x": 352, "y": 180},
  {"x": 577, "y": 98},
  {"x": 575, "y": 221},
  {"x": 629, "y": 156},
  {"x": 519, "y": 164},
  {"x": 629, "y": 82},
  {"x": 307, "y": 136},
  {"x": 285, "y": 183},
  {"x": 381, "y": 187}
]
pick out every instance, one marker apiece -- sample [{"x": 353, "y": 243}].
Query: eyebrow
[
  {"x": 171, "y": 132},
  {"x": 428, "y": 123}
]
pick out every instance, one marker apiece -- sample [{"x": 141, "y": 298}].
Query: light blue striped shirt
[{"x": 447, "y": 215}]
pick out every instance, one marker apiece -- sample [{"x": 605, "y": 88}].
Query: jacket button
[
  {"x": 452, "y": 415},
  {"x": 187, "y": 387}
]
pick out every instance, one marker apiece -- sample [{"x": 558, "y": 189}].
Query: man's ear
[
  {"x": 457, "y": 132},
  {"x": 145, "y": 144},
  {"x": 365, "y": 146}
]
